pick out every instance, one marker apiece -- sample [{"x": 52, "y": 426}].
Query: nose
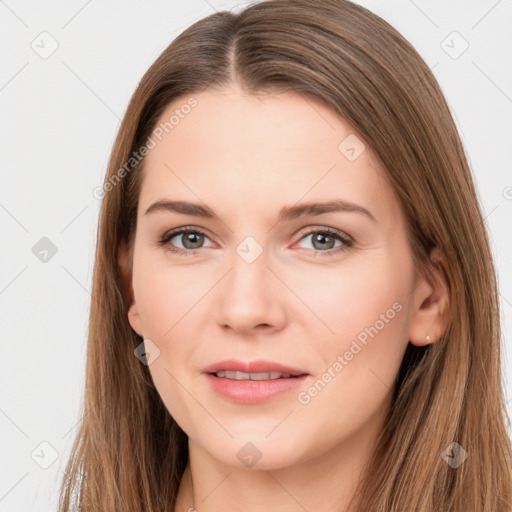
[{"x": 250, "y": 298}]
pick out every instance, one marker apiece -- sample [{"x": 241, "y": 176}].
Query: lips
[{"x": 259, "y": 366}]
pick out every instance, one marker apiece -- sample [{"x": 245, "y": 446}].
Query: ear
[
  {"x": 125, "y": 264},
  {"x": 431, "y": 312}
]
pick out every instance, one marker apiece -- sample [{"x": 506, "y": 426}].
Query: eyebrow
[{"x": 287, "y": 212}]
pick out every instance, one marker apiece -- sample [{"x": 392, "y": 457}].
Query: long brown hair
[{"x": 129, "y": 453}]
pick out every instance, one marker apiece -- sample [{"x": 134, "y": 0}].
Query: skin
[{"x": 246, "y": 158}]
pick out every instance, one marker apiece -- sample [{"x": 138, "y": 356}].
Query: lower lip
[{"x": 253, "y": 391}]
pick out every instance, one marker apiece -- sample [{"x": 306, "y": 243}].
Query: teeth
[{"x": 236, "y": 375}]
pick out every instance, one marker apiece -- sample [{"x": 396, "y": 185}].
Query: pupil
[{"x": 323, "y": 238}]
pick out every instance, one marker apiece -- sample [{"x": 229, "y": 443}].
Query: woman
[{"x": 234, "y": 361}]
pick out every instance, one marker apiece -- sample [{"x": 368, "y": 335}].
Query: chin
[{"x": 253, "y": 451}]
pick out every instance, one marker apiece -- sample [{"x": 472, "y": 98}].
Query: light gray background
[{"x": 59, "y": 116}]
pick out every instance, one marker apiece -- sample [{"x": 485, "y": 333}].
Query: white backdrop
[{"x": 68, "y": 71}]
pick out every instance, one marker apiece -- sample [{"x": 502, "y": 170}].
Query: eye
[
  {"x": 191, "y": 239},
  {"x": 323, "y": 241}
]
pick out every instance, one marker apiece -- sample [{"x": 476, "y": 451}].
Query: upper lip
[{"x": 259, "y": 366}]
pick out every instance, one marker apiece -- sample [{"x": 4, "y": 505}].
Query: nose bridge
[
  {"x": 248, "y": 297},
  {"x": 249, "y": 275}
]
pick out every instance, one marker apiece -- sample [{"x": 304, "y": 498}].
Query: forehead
[
  {"x": 258, "y": 150},
  {"x": 233, "y": 124}
]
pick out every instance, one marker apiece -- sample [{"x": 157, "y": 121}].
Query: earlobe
[
  {"x": 432, "y": 309},
  {"x": 134, "y": 319}
]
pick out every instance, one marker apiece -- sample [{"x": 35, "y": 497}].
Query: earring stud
[{"x": 428, "y": 338}]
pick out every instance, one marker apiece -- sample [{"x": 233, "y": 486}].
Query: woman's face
[{"x": 259, "y": 282}]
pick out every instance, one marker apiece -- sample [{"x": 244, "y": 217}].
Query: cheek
[
  {"x": 365, "y": 291},
  {"x": 166, "y": 299},
  {"x": 164, "y": 295},
  {"x": 360, "y": 360},
  {"x": 364, "y": 306}
]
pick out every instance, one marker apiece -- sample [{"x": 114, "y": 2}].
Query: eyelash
[{"x": 347, "y": 241}]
